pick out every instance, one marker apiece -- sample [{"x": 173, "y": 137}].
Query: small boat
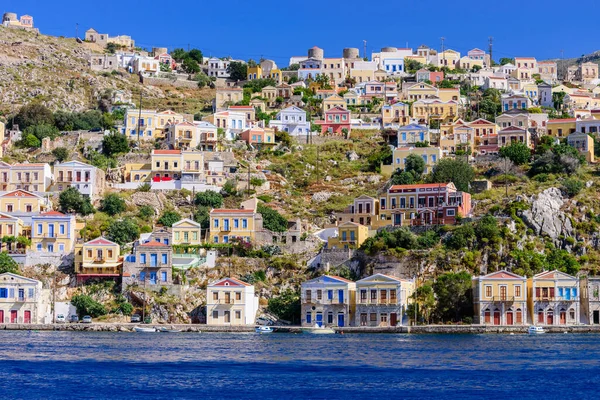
[
  {"x": 319, "y": 330},
  {"x": 144, "y": 329},
  {"x": 535, "y": 330},
  {"x": 168, "y": 330},
  {"x": 263, "y": 329}
]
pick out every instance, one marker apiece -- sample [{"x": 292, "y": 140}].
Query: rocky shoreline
[{"x": 424, "y": 329}]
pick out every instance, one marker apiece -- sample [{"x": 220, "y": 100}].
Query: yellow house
[
  {"x": 350, "y": 235},
  {"x": 137, "y": 172},
  {"x": 448, "y": 58},
  {"x": 431, "y": 155},
  {"x": 98, "y": 258},
  {"x": 22, "y": 202},
  {"x": 183, "y": 135},
  {"x": 53, "y": 232},
  {"x": 150, "y": 124},
  {"x": 269, "y": 93},
  {"x": 583, "y": 143},
  {"x": 187, "y": 231},
  {"x": 426, "y": 110},
  {"x": 468, "y": 63},
  {"x": 227, "y": 96},
  {"x": 10, "y": 227},
  {"x": 226, "y": 224},
  {"x": 277, "y": 75},
  {"x": 500, "y": 298},
  {"x": 449, "y": 94},
  {"x": 333, "y": 101},
  {"x": 553, "y": 299},
  {"x": 362, "y": 75},
  {"x": 166, "y": 164},
  {"x": 419, "y": 91},
  {"x": 462, "y": 135},
  {"x": 561, "y": 127},
  {"x": 397, "y": 113},
  {"x": 36, "y": 177},
  {"x": 255, "y": 73},
  {"x": 418, "y": 58}
]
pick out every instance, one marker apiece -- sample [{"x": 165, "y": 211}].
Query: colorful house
[
  {"x": 30, "y": 176},
  {"x": 12, "y": 227},
  {"x": 186, "y": 232},
  {"x": 21, "y": 300},
  {"x": 22, "y": 202},
  {"x": 331, "y": 102},
  {"x": 424, "y": 204},
  {"x": 382, "y": 300},
  {"x": 411, "y": 134},
  {"x": 554, "y": 299},
  {"x": 397, "y": 113},
  {"x": 514, "y": 134},
  {"x": 87, "y": 179},
  {"x": 328, "y": 301},
  {"x": 226, "y": 224},
  {"x": 258, "y": 137},
  {"x": 364, "y": 210},
  {"x": 150, "y": 263},
  {"x": 291, "y": 120},
  {"x": 53, "y": 232},
  {"x": 431, "y": 156},
  {"x": 349, "y": 235},
  {"x": 150, "y": 124},
  {"x": 335, "y": 121},
  {"x": 426, "y": 110},
  {"x": 230, "y": 301},
  {"x": 500, "y": 298},
  {"x": 98, "y": 258},
  {"x": 584, "y": 143}
]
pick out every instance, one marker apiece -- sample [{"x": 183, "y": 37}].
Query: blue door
[
  {"x": 51, "y": 230},
  {"x": 340, "y": 320},
  {"x": 153, "y": 260},
  {"x": 308, "y": 317},
  {"x": 319, "y": 320},
  {"x": 397, "y": 219},
  {"x": 341, "y": 296},
  {"x": 568, "y": 293},
  {"x": 153, "y": 278}
]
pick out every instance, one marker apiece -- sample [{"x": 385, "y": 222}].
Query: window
[
  {"x": 215, "y": 314},
  {"x": 450, "y": 213},
  {"x": 215, "y": 295},
  {"x": 319, "y": 294},
  {"x": 164, "y": 258},
  {"x": 238, "y": 315},
  {"x": 142, "y": 258},
  {"x": 488, "y": 291},
  {"x": 244, "y": 224},
  {"x": 3, "y": 293},
  {"x": 163, "y": 276},
  {"x": 39, "y": 247},
  {"x": 40, "y": 228},
  {"x": 236, "y": 223},
  {"x": 517, "y": 291},
  {"x": 61, "y": 248},
  {"x": 176, "y": 235},
  {"x": 215, "y": 223},
  {"x": 89, "y": 253},
  {"x": 238, "y": 295},
  {"x": 308, "y": 295},
  {"x": 216, "y": 239},
  {"x": 61, "y": 229}
]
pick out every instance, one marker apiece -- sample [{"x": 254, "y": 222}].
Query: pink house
[{"x": 336, "y": 119}]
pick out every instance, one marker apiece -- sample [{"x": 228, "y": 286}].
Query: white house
[
  {"x": 87, "y": 179},
  {"x": 325, "y": 301},
  {"x": 381, "y": 300},
  {"x": 292, "y": 120},
  {"x": 218, "y": 68},
  {"x": 21, "y": 300},
  {"x": 230, "y": 301}
]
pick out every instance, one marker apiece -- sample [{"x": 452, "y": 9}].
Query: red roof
[
  {"x": 242, "y": 107},
  {"x": 101, "y": 241},
  {"x": 225, "y": 210},
  {"x": 52, "y": 214},
  {"x": 166, "y": 151},
  {"x": 19, "y": 193},
  {"x": 558, "y": 121},
  {"x": 28, "y": 165},
  {"x": 153, "y": 244},
  {"x": 340, "y": 278},
  {"x": 418, "y": 186},
  {"x": 223, "y": 282}
]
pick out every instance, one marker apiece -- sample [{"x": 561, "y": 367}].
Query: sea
[{"x": 105, "y": 365}]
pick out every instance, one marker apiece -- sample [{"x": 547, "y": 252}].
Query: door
[
  {"x": 27, "y": 317},
  {"x": 1, "y": 316},
  {"x": 319, "y": 320},
  {"x": 503, "y": 293},
  {"x": 363, "y": 319},
  {"x": 227, "y": 317},
  {"x": 51, "y": 248},
  {"x": 153, "y": 260},
  {"x": 596, "y": 317},
  {"x": 397, "y": 219},
  {"x": 51, "y": 230},
  {"x": 563, "y": 317},
  {"x": 540, "y": 317},
  {"x": 509, "y": 318},
  {"x": 393, "y": 319},
  {"x": 496, "y": 317},
  {"x": 487, "y": 317},
  {"x": 550, "y": 318},
  {"x": 341, "y": 296},
  {"x": 153, "y": 278},
  {"x": 227, "y": 297},
  {"x": 13, "y": 316},
  {"x": 340, "y": 320}
]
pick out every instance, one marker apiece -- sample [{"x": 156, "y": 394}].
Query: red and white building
[
  {"x": 335, "y": 121},
  {"x": 230, "y": 301}
]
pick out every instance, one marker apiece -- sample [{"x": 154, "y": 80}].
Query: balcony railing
[
  {"x": 555, "y": 298},
  {"x": 98, "y": 260},
  {"x": 503, "y": 298},
  {"x": 314, "y": 300},
  {"x": 377, "y": 302},
  {"x": 20, "y": 299}
]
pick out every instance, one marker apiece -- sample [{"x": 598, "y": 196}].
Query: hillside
[{"x": 55, "y": 70}]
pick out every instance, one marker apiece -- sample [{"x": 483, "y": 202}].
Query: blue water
[{"x": 283, "y": 366}]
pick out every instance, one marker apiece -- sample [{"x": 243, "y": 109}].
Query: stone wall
[
  {"x": 335, "y": 257},
  {"x": 147, "y": 80},
  {"x": 37, "y": 257}
]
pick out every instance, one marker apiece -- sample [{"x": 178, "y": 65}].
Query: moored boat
[
  {"x": 319, "y": 330},
  {"x": 168, "y": 330},
  {"x": 144, "y": 329},
  {"x": 263, "y": 329},
  {"x": 535, "y": 330}
]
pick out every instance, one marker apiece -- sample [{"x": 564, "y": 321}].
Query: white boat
[
  {"x": 144, "y": 329},
  {"x": 263, "y": 329},
  {"x": 535, "y": 330},
  {"x": 168, "y": 330},
  {"x": 318, "y": 330}
]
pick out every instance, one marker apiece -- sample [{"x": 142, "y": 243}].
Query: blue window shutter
[{"x": 164, "y": 258}]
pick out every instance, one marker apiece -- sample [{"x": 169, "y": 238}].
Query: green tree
[
  {"x": 487, "y": 230},
  {"x": 61, "y": 153},
  {"x": 256, "y": 85},
  {"x": 196, "y": 55},
  {"x": 178, "y": 54},
  {"x": 202, "y": 216},
  {"x": 42, "y": 131},
  {"x": 202, "y": 79},
  {"x": 209, "y": 198},
  {"x": 272, "y": 220},
  {"x": 70, "y": 200},
  {"x": 123, "y": 231},
  {"x": 32, "y": 114},
  {"x": 572, "y": 186},
  {"x": 563, "y": 261},
  {"x": 453, "y": 170},
  {"x": 505, "y": 60},
  {"x": 85, "y": 305},
  {"x": 516, "y": 152},
  {"x": 400, "y": 177},
  {"x": 323, "y": 81},
  {"x": 146, "y": 212},
  {"x": 415, "y": 165},
  {"x": 112, "y": 204},
  {"x": 114, "y": 144},
  {"x": 445, "y": 84},
  {"x": 286, "y": 306},
  {"x": 7, "y": 264},
  {"x": 29, "y": 141},
  {"x": 169, "y": 218},
  {"x": 453, "y": 293},
  {"x": 190, "y": 65},
  {"x": 238, "y": 71},
  {"x": 462, "y": 237},
  {"x": 423, "y": 303}
]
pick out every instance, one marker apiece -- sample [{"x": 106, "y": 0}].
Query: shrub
[
  {"x": 112, "y": 204},
  {"x": 61, "y": 153},
  {"x": 169, "y": 218},
  {"x": 85, "y": 305},
  {"x": 572, "y": 186},
  {"x": 272, "y": 220},
  {"x": 144, "y": 187},
  {"x": 146, "y": 212},
  {"x": 209, "y": 198}
]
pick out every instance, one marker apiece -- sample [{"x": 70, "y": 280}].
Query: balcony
[
  {"x": 20, "y": 299},
  {"x": 503, "y": 299},
  {"x": 99, "y": 260},
  {"x": 228, "y": 302},
  {"x": 48, "y": 235},
  {"x": 555, "y": 298},
  {"x": 380, "y": 302}
]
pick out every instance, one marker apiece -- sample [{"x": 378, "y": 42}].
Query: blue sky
[{"x": 280, "y": 29}]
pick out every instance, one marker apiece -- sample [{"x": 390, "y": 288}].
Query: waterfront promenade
[{"x": 420, "y": 329}]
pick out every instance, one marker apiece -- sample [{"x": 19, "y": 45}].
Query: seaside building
[
  {"x": 381, "y": 300},
  {"x": 327, "y": 301},
  {"x": 21, "y": 300},
  {"x": 98, "y": 258},
  {"x": 500, "y": 298},
  {"x": 553, "y": 299},
  {"x": 230, "y": 301}
]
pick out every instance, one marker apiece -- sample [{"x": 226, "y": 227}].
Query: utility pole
[
  {"x": 562, "y": 64},
  {"x": 140, "y": 118},
  {"x": 505, "y": 176},
  {"x": 76, "y": 30},
  {"x": 491, "y": 44},
  {"x": 248, "y": 176},
  {"x": 443, "y": 51}
]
